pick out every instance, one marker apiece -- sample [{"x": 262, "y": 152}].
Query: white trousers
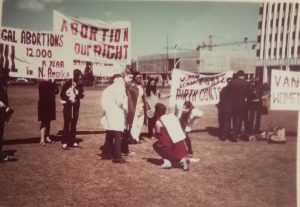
[{"x": 136, "y": 127}]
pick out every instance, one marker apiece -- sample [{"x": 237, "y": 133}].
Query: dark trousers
[
  {"x": 151, "y": 124},
  {"x": 225, "y": 119},
  {"x": 71, "y": 114},
  {"x": 188, "y": 143},
  {"x": 125, "y": 142},
  {"x": 2, "y": 125},
  {"x": 254, "y": 118},
  {"x": 112, "y": 144},
  {"x": 238, "y": 118}
]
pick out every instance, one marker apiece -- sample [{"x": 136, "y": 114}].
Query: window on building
[
  {"x": 295, "y": 19},
  {"x": 276, "y": 36},
  {"x": 269, "y": 52},
  {"x": 277, "y": 22},
  {"x": 298, "y": 51},
  {"x": 274, "y": 52},
  {"x": 278, "y": 7},
  {"x": 292, "y": 52},
  {"x": 280, "y": 52},
  {"x": 261, "y": 9},
  {"x": 273, "y": 6},
  {"x": 258, "y": 38},
  {"x": 281, "y": 37},
  {"x": 259, "y": 25},
  {"x": 257, "y": 53},
  {"x": 284, "y": 6},
  {"x": 294, "y": 35}
]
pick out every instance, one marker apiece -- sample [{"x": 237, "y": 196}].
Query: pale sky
[{"x": 184, "y": 23}]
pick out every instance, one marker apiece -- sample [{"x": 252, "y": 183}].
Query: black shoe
[
  {"x": 119, "y": 161},
  {"x": 222, "y": 138},
  {"x": 132, "y": 141},
  {"x": 106, "y": 157},
  {"x": 234, "y": 139}
]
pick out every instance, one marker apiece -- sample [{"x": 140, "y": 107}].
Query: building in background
[
  {"x": 198, "y": 61},
  {"x": 278, "y": 40}
]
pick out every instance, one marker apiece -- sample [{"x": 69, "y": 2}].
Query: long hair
[{"x": 150, "y": 88}]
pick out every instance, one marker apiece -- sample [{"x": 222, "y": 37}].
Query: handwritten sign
[
  {"x": 94, "y": 40},
  {"x": 197, "y": 88},
  {"x": 285, "y": 90},
  {"x": 33, "y": 54}
]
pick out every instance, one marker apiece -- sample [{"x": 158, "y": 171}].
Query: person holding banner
[
  {"x": 152, "y": 98},
  {"x": 136, "y": 107},
  {"x": 46, "y": 108},
  {"x": 71, "y": 93},
  {"x": 171, "y": 139}
]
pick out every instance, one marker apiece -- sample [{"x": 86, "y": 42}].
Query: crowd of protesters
[{"x": 127, "y": 106}]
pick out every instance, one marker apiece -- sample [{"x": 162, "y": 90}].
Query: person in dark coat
[
  {"x": 5, "y": 112},
  {"x": 46, "y": 108},
  {"x": 237, "y": 94},
  {"x": 254, "y": 107},
  {"x": 71, "y": 93},
  {"x": 224, "y": 113}
]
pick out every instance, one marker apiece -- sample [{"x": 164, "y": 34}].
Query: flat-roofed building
[{"x": 278, "y": 38}]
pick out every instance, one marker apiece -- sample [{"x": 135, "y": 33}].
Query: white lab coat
[{"x": 114, "y": 102}]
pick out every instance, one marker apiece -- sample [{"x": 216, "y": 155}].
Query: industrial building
[{"x": 202, "y": 61}]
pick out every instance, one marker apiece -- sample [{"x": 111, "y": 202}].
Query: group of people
[
  {"x": 241, "y": 102},
  {"x": 127, "y": 106},
  {"x": 70, "y": 95}
]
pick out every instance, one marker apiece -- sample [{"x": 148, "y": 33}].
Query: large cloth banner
[
  {"x": 94, "y": 40},
  {"x": 197, "y": 88},
  {"x": 285, "y": 90},
  {"x": 32, "y": 54}
]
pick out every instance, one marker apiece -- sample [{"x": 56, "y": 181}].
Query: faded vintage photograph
[{"x": 149, "y": 103}]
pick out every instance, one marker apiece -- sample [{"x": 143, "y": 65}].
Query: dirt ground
[{"x": 242, "y": 174}]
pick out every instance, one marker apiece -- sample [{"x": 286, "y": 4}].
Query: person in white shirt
[{"x": 115, "y": 105}]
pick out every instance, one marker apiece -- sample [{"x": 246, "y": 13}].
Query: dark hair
[
  {"x": 188, "y": 104},
  {"x": 160, "y": 109},
  {"x": 112, "y": 78},
  {"x": 150, "y": 88},
  {"x": 240, "y": 73},
  {"x": 135, "y": 74},
  {"x": 76, "y": 74}
]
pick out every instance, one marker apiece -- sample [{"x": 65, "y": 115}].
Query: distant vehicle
[{"x": 20, "y": 81}]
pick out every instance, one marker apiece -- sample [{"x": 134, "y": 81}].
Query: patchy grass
[{"x": 229, "y": 174}]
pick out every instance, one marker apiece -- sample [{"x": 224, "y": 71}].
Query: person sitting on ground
[{"x": 171, "y": 139}]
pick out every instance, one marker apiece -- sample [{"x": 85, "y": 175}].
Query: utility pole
[{"x": 210, "y": 43}]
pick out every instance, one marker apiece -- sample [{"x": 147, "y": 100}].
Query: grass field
[{"x": 242, "y": 174}]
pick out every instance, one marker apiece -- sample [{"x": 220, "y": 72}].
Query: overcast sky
[{"x": 184, "y": 23}]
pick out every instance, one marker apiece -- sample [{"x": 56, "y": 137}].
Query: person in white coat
[{"x": 115, "y": 105}]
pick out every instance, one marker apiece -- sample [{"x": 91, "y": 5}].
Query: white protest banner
[
  {"x": 32, "y": 54},
  {"x": 94, "y": 40},
  {"x": 197, "y": 88},
  {"x": 285, "y": 90}
]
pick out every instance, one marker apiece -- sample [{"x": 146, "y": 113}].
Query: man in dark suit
[{"x": 237, "y": 93}]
